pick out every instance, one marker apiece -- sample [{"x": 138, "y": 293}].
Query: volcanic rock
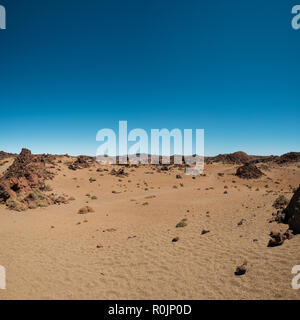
[
  {"x": 231, "y": 158},
  {"x": 26, "y": 173},
  {"x": 292, "y": 212},
  {"x": 277, "y": 239},
  {"x": 249, "y": 171},
  {"x": 241, "y": 270},
  {"x": 22, "y": 184},
  {"x": 81, "y": 162},
  {"x": 289, "y": 157},
  {"x": 118, "y": 173}
]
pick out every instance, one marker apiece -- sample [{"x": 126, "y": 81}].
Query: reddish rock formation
[{"x": 27, "y": 172}]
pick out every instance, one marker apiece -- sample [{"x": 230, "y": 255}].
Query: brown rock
[
  {"x": 292, "y": 212},
  {"x": 81, "y": 162},
  {"x": 27, "y": 173},
  {"x": 288, "y": 234},
  {"x": 241, "y": 270},
  {"x": 277, "y": 239},
  {"x": 249, "y": 171},
  {"x": 204, "y": 231}
]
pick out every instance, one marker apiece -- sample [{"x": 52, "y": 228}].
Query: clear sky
[{"x": 71, "y": 68}]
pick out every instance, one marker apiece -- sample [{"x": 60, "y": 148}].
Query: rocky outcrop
[
  {"x": 243, "y": 158},
  {"x": 249, "y": 171},
  {"x": 5, "y": 155},
  {"x": 289, "y": 157},
  {"x": 82, "y": 162},
  {"x": 119, "y": 173},
  {"x": 292, "y": 212},
  {"x": 239, "y": 157},
  {"x": 21, "y": 184}
]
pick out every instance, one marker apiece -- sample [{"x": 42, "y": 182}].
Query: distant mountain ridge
[{"x": 238, "y": 157}]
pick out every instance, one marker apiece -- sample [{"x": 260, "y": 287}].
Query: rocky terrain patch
[
  {"x": 23, "y": 185},
  {"x": 249, "y": 171},
  {"x": 292, "y": 212},
  {"x": 82, "y": 162}
]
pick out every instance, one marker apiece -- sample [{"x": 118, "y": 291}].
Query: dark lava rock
[
  {"x": 249, "y": 171},
  {"x": 239, "y": 157},
  {"x": 204, "y": 231},
  {"x": 241, "y": 270},
  {"x": 292, "y": 212},
  {"x": 241, "y": 222},
  {"x": 277, "y": 239}
]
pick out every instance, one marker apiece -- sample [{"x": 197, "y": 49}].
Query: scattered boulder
[
  {"x": 241, "y": 222},
  {"x": 82, "y": 162},
  {"x": 61, "y": 200},
  {"x": 277, "y": 239},
  {"x": 175, "y": 239},
  {"x": 118, "y": 173},
  {"x": 205, "y": 231},
  {"x": 241, "y": 270},
  {"x": 249, "y": 171}
]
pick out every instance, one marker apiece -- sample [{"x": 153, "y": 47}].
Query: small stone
[
  {"x": 205, "y": 231},
  {"x": 288, "y": 234},
  {"x": 241, "y": 222},
  {"x": 277, "y": 239},
  {"x": 241, "y": 270}
]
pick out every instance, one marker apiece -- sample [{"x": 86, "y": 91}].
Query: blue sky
[{"x": 71, "y": 68}]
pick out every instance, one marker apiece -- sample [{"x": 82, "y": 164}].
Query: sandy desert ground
[{"x": 124, "y": 249}]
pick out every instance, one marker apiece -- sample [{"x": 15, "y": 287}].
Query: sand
[{"x": 124, "y": 249}]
